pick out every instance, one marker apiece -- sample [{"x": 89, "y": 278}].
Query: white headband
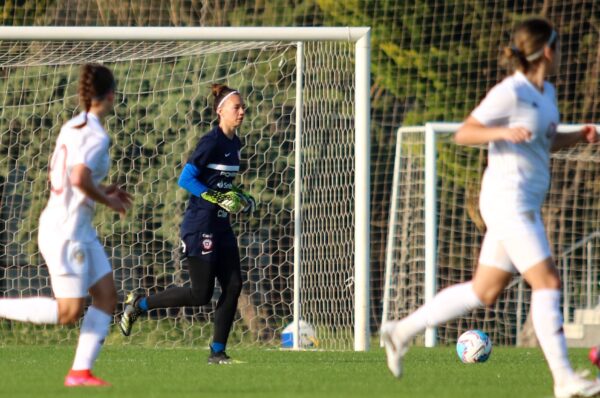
[
  {"x": 540, "y": 52},
  {"x": 225, "y": 98}
]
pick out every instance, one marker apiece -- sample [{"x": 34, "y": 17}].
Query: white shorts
[
  {"x": 74, "y": 266},
  {"x": 514, "y": 242}
]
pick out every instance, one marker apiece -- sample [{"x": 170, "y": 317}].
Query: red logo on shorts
[{"x": 207, "y": 243}]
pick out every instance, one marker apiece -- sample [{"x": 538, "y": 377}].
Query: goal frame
[
  {"x": 431, "y": 131},
  {"x": 360, "y": 36}
]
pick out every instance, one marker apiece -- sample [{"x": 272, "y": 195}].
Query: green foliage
[{"x": 16, "y": 11}]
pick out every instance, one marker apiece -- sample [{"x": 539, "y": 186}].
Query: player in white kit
[
  {"x": 518, "y": 120},
  {"x": 76, "y": 260}
]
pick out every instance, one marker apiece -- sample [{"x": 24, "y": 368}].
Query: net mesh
[
  {"x": 430, "y": 60},
  {"x": 569, "y": 214},
  {"x": 163, "y": 108}
]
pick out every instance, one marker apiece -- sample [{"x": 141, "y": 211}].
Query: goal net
[
  {"x": 163, "y": 107},
  {"x": 570, "y": 214}
]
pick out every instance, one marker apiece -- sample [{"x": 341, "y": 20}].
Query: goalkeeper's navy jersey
[{"x": 217, "y": 158}]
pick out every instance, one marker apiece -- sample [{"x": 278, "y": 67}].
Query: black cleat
[
  {"x": 130, "y": 314},
  {"x": 218, "y": 358}
]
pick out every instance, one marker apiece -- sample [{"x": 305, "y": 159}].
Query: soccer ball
[
  {"x": 595, "y": 355},
  {"x": 308, "y": 336},
  {"x": 473, "y": 346}
]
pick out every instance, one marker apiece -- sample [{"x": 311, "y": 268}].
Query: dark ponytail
[
  {"x": 513, "y": 58},
  {"x": 95, "y": 82},
  {"x": 219, "y": 92},
  {"x": 530, "y": 37}
]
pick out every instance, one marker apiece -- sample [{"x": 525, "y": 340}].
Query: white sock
[
  {"x": 31, "y": 309},
  {"x": 548, "y": 326},
  {"x": 94, "y": 329},
  {"x": 448, "y": 304}
]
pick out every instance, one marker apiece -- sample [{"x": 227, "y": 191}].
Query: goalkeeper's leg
[
  {"x": 199, "y": 294},
  {"x": 230, "y": 280}
]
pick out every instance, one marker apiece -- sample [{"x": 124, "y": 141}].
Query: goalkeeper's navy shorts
[{"x": 209, "y": 245}]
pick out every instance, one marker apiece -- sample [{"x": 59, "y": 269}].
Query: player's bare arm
[
  {"x": 472, "y": 132},
  {"x": 117, "y": 200},
  {"x": 587, "y": 134}
]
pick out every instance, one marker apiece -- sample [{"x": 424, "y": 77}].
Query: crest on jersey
[{"x": 79, "y": 256}]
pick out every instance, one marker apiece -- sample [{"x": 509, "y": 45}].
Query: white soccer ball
[
  {"x": 474, "y": 346},
  {"x": 308, "y": 336}
]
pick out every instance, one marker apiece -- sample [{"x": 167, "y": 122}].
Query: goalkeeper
[{"x": 209, "y": 244}]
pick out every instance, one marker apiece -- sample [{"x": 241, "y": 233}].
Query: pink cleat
[
  {"x": 594, "y": 355},
  {"x": 84, "y": 378}
]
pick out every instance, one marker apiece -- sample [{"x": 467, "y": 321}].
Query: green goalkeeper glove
[
  {"x": 231, "y": 201},
  {"x": 250, "y": 202}
]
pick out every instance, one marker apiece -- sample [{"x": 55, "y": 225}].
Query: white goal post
[
  {"x": 360, "y": 37},
  {"x": 428, "y": 207}
]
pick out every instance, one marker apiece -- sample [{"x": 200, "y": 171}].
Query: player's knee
[
  {"x": 111, "y": 301},
  {"x": 234, "y": 287},
  {"x": 553, "y": 279},
  {"x": 68, "y": 315},
  {"x": 106, "y": 301},
  {"x": 549, "y": 282},
  {"x": 201, "y": 297},
  {"x": 488, "y": 297},
  {"x": 543, "y": 276},
  {"x": 67, "y": 318}
]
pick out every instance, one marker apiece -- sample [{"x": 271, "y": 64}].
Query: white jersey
[
  {"x": 69, "y": 213},
  {"x": 518, "y": 175}
]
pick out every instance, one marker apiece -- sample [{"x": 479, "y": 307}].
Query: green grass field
[{"x": 29, "y": 371}]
